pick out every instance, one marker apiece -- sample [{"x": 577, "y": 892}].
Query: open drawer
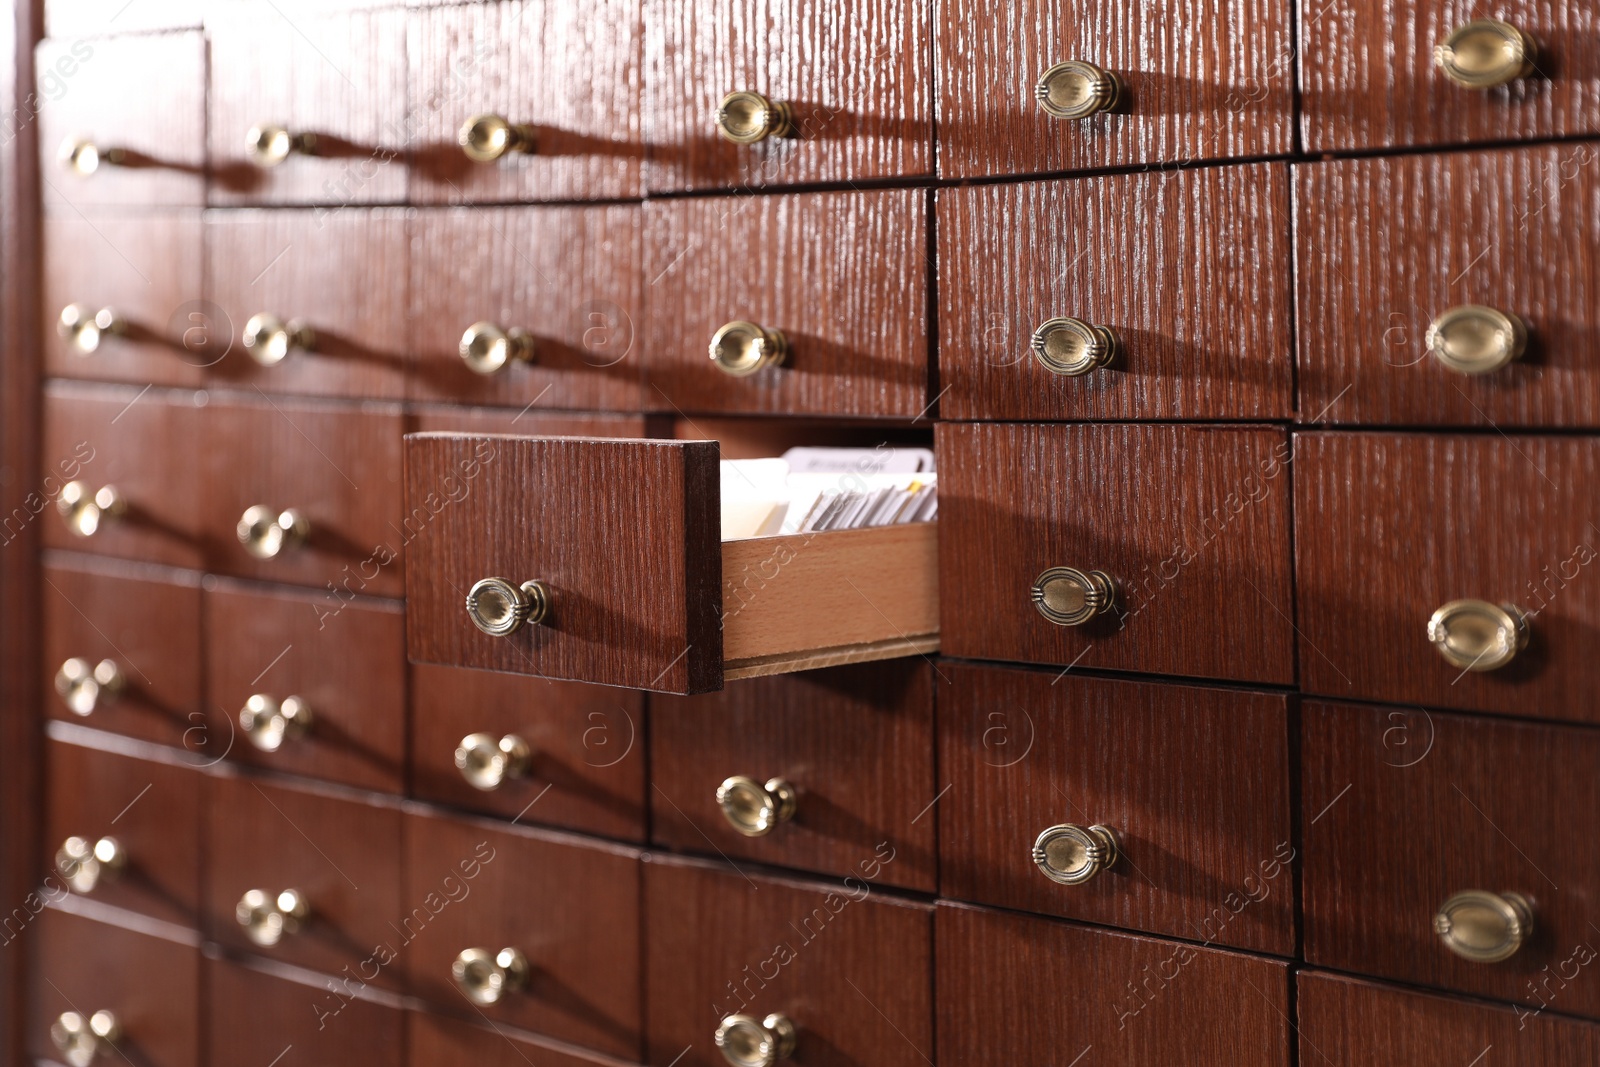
[{"x": 635, "y": 586}]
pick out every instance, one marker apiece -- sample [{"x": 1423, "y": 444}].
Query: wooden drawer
[
  {"x": 429, "y": 418},
  {"x": 624, "y": 536},
  {"x": 432, "y": 1041},
  {"x": 853, "y": 743},
  {"x": 569, "y": 906},
  {"x": 569, "y": 73},
  {"x": 278, "y": 655},
  {"x": 857, "y": 84},
  {"x": 1191, "y": 523},
  {"x": 340, "y": 853},
  {"x": 1360, "y": 1024},
  {"x": 1169, "y": 261},
  {"x": 84, "y": 98},
  {"x": 568, "y": 276},
  {"x": 338, "y": 465},
  {"x": 340, "y": 77},
  {"x": 146, "y": 270},
  {"x": 1368, "y": 77},
  {"x": 1387, "y": 245},
  {"x": 141, "y": 442},
  {"x": 146, "y": 622},
  {"x": 843, "y": 276},
  {"x": 340, "y": 275},
  {"x": 1199, "y": 81},
  {"x": 1404, "y": 809},
  {"x": 1496, "y": 518},
  {"x": 849, "y": 969},
  {"x": 1203, "y": 852},
  {"x": 1017, "y": 990},
  {"x": 584, "y": 766},
  {"x": 255, "y": 1016},
  {"x": 81, "y": 18}
]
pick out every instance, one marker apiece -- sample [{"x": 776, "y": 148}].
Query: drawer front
[
  {"x": 853, "y": 744},
  {"x": 342, "y": 276},
  {"x": 1387, "y": 246},
  {"x": 151, "y": 985},
  {"x": 842, "y": 276},
  {"x": 569, "y": 74},
  {"x": 450, "y": 418},
  {"x": 255, "y": 1016},
  {"x": 1005, "y": 980},
  {"x": 1196, "y": 546},
  {"x": 81, "y": 18},
  {"x": 575, "y": 755},
  {"x": 338, "y": 466},
  {"x": 146, "y": 623},
  {"x": 1199, "y": 81},
  {"x": 321, "y": 678},
  {"x": 339, "y": 77},
  {"x": 145, "y": 269},
  {"x": 143, "y": 444},
  {"x": 1467, "y": 789},
  {"x": 432, "y": 1041},
  {"x": 567, "y": 276},
  {"x": 160, "y": 130},
  {"x": 1168, "y": 261},
  {"x": 858, "y": 101},
  {"x": 1368, "y": 78},
  {"x": 1497, "y": 519},
  {"x": 571, "y": 909},
  {"x": 849, "y": 969},
  {"x": 1202, "y": 852}
]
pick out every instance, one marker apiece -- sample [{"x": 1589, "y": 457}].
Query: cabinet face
[{"x": 255, "y": 1015}]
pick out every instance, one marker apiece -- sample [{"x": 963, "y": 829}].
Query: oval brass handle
[
  {"x": 745, "y": 117},
  {"x": 1484, "y": 927},
  {"x": 741, "y": 348},
  {"x": 1073, "y": 854},
  {"x": 1072, "y": 346},
  {"x": 489, "y": 349},
  {"x": 84, "y": 328},
  {"x": 485, "y": 138},
  {"x": 270, "y": 339},
  {"x": 1070, "y": 597},
  {"x": 755, "y": 808},
  {"x": 80, "y": 1040},
  {"x": 265, "y": 532},
  {"x": 1476, "y": 635},
  {"x": 85, "y": 512},
  {"x": 267, "y": 917},
  {"x": 1485, "y": 53},
  {"x": 499, "y": 608},
  {"x": 1473, "y": 339},
  {"x": 268, "y": 722},
  {"x": 746, "y": 1041},
  {"x": 1077, "y": 90},
  {"x": 83, "y": 687},
  {"x": 269, "y": 144},
  {"x": 84, "y": 864},
  {"x": 486, "y": 976},
  {"x": 488, "y": 762},
  {"x": 83, "y": 157}
]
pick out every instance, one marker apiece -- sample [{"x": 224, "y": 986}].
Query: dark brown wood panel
[
  {"x": 1191, "y": 522},
  {"x": 432, "y": 1041},
  {"x": 256, "y": 1016},
  {"x": 73, "y": 18},
  {"x": 450, "y": 418}
]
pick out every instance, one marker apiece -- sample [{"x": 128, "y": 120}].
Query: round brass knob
[
  {"x": 265, "y": 533},
  {"x": 1072, "y": 346},
  {"x": 754, "y": 808},
  {"x": 485, "y": 138},
  {"x": 266, "y": 918},
  {"x": 83, "y": 687},
  {"x": 488, "y": 349},
  {"x": 1484, "y": 927},
  {"x": 745, "y": 117},
  {"x": 1070, "y": 597},
  {"x": 1077, "y": 90},
  {"x": 1472, "y": 339},
  {"x": 270, "y": 339},
  {"x": 83, "y": 158},
  {"x": 486, "y": 976},
  {"x": 85, "y": 512},
  {"x": 1485, "y": 53},
  {"x": 487, "y": 762},
  {"x": 80, "y": 1040},
  {"x": 84, "y": 328},
  {"x": 268, "y": 723},
  {"x": 746, "y": 1041},
  {"x": 1072, "y": 854},
  {"x": 498, "y": 608},
  {"x": 1476, "y": 635},
  {"x": 84, "y": 864},
  {"x": 741, "y": 348},
  {"x": 269, "y": 144}
]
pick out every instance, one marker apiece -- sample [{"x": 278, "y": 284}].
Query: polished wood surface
[
  {"x": 449, "y": 418},
  {"x": 432, "y": 1041},
  {"x": 305, "y": 1023}
]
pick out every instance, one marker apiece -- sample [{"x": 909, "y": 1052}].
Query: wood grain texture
[
  {"x": 625, "y": 534},
  {"x": 305, "y": 1024},
  {"x": 720, "y": 944},
  {"x": 570, "y": 276},
  {"x": 1387, "y": 244},
  {"x": 1388, "y": 527},
  {"x": 432, "y": 1041},
  {"x": 1205, "y": 849},
  {"x": 1203, "y": 79},
  {"x": 589, "y": 744},
  {"x": 1436, "y": 804},
  {"x": 93, "y": 18},
  {"x": 1191, "y": 522},
  {"x": 1368, "y": 80},
  {"x": 343, "y": 275},
  {"x": 570, "y": 906},
  {"x": 456, "y": 418},
  {"x": 1171, "y": 261},
  {"x": 856, "y": 78},
  {"x": 843, "y": 275},
  {"x": 1019, "y": 990},
  {"x": 855, "y": 742}
]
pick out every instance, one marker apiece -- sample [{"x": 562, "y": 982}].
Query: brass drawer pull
[
  {"x": 754, "y": 808},
  {"x": 83, "y": 688},
  {"x": 266, "y": 918},
  {"x": 1473, "y": 339},
  {"x": 81, "y": 1040},
  {"x": 1070, "y": 597},
  {"x": 84, "y": 157},
  {"x": 486, "y": 976},
  {"x": 746, "y": 1041},
  {"x": 266, "y": 533},
  {"x": 489, "y": 349},
  {"x": 84, "y": 328},
  {"x": 86, "y": 513},
  {"x": 1476, "y": 635},
  {"x": 745, "y": 117},
  {"x": 85, "y": 864},
  {"x": 268, "y": 723},
  {"x": 269, "y": 339},
  {"x": 1072, "y": 854},
  {"x": 499, "y": 608},
  {"x": 1072, "y": 346},
  {"x": 487, "y": 762},
  {"x": 741, "y": 348},
  {"x": 1485, "y": 53},
  {"x": 269, "y": 144},
  {"x": 1484, "y": 927},
  {"x": 486, "y": 138},
  {"x": 1077, "y": 90}
]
